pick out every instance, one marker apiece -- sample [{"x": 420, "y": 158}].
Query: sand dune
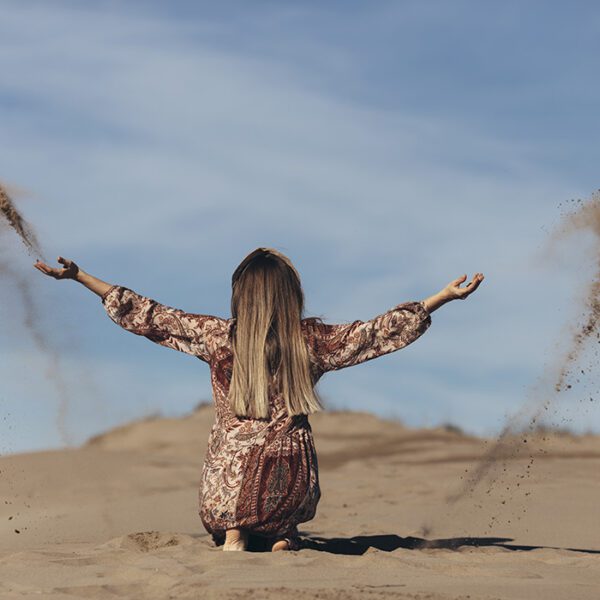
[{"x": 117, "y": 518}]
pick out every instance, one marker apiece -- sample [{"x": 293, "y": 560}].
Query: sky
[{"x": 387, "y": 148}]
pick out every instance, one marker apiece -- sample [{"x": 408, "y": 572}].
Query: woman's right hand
[
  {"x": 69, "y": 270},
  {"x": 455, "y": 292}
]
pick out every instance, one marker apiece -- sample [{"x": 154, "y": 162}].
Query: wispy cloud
[{"x": 159, "y": 145}]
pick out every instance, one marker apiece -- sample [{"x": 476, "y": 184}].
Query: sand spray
[
  {"x": 522, "y": 437},
  {"x": 10, "y": 217},
  {"x": 13, "y": 219},
  {"x": 21, "y": 227}
]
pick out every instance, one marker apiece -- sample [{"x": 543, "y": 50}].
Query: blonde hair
[{"x": 267, "y": 304}]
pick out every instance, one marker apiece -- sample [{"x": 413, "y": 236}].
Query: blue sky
[{"x": 385, "y": 147}]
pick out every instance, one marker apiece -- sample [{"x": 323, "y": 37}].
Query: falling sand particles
[
  {"x": 521, "y": 439},
  {"x": 31, "y": 318}
]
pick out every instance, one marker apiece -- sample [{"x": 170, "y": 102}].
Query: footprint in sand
[{"x": 148, "y": 541}]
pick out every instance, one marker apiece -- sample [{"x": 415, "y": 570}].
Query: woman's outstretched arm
[
  {"x": 344, "y": 345},
  {"x": 71, "y": 271},
  {"x": 191, "y": 333}
]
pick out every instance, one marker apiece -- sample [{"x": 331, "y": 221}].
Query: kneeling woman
[{"x": 260, "y": 474}]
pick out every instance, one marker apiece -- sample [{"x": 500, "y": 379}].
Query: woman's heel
[
  {"x": 235, "y": 540},
  {"x": 286, "y": 543}
]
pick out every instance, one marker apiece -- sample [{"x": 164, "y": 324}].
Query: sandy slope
[{"x": 117, "y": 518}]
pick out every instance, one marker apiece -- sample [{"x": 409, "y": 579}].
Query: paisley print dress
[{"x": 259, "y": 474}]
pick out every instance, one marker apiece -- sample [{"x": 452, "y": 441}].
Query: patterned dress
[{"x": 261, "y": 474}]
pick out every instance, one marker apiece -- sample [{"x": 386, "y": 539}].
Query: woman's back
[{"x": 260, "y": 472}]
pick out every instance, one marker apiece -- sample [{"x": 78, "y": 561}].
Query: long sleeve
[
  {"x": 187, "y": 332},
  {"x": 345, "y": 345}
]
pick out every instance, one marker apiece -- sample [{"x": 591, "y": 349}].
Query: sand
[
  {"x": 117, "y": 518},
  {"x": 20, "y": 226}
]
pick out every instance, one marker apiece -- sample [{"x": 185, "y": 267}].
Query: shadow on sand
[{"x": 359, "y": 544}]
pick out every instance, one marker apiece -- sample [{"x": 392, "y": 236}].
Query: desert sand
[{"x": 117, "y": 518}]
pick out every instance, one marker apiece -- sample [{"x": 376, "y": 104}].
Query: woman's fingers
[
  {"x": 474, "y": 282},
  {"x": 44, "y": 268},
  {"x": 455, "y": 284},
  {"x": 463, "y": 292},
  {"x": 69, "y": 269},
  {"x": 458, "y": 281},
  {"x": 472, "y": 285},
  {"x": 477, "y": 279}
]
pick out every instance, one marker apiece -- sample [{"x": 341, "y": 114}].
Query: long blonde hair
[{"x": 267, "y": 304}]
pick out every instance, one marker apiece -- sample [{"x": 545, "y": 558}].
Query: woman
[{"x": 260, "y": 474}]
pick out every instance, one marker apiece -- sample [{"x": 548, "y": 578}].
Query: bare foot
[
  {"x": 280, "y": 545},
  {"x": 235, "y": 540}
]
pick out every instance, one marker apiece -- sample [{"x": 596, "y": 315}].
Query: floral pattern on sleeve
[
  {"x": 344, "y": 345},
  {"x": 191, "y": 333}
]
